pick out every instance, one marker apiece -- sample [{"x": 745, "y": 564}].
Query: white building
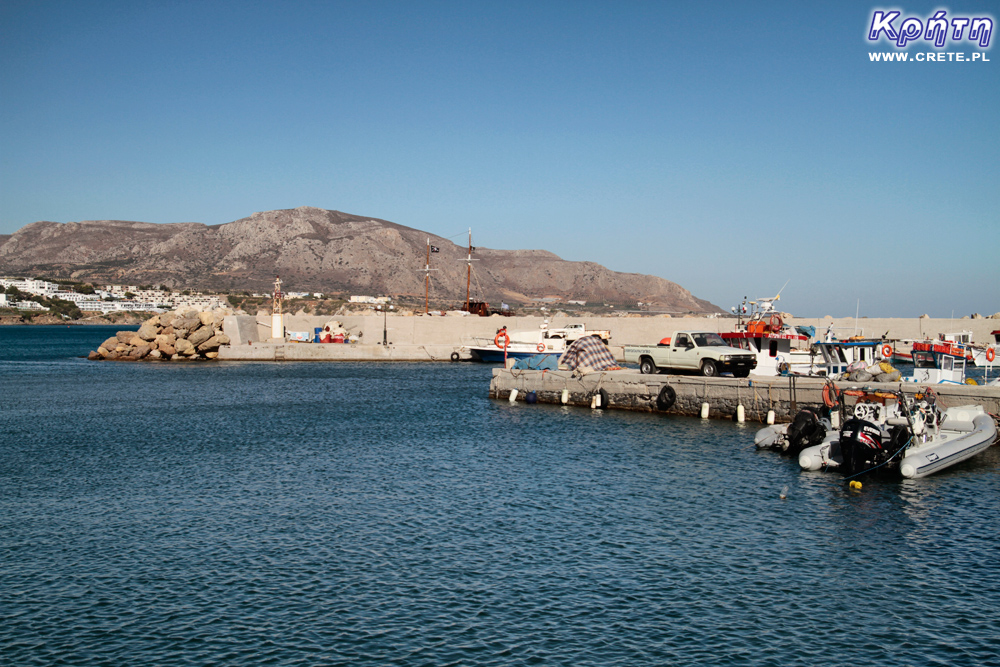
[{"x": 370, "y": 299}]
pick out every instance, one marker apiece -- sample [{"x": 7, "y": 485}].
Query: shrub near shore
[{"x": 174, "y": 336}]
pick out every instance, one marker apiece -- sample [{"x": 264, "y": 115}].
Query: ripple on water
[{"x": 391, "y": 514}]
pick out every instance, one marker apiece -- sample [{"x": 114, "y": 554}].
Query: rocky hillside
[{"x": 316, "y": 250}]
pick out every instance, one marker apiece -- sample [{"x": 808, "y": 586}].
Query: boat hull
[
  {"x": 496, "y": 356},
  {"x": 949, "y": 446}
]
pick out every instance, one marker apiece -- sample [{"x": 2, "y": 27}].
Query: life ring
[
  {"x": 502, "y": 334},
  {"x": 666, "y": 398},
  {"x": 455, "y": 356},
  {"x": 775, "y": 322},
  {"x": 540, "y": 347},
  {"x": 991, "y": 354},
  {"x": 831, "y": 396},
  {"x": 886, "y": 351}
]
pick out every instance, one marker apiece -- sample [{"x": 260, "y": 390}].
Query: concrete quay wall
[
  {"x": 630, "y": 390},
  {"x": 454, "y": 330},
  {"x": 336, "y": 352}
]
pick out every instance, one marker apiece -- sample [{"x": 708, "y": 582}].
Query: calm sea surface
[{"x": 391, "y": 514}]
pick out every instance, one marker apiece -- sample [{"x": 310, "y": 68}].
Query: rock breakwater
[{"x": 172, "y": 336}]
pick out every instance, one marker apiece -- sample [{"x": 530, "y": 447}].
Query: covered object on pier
[{"x": 588, "y": 354}]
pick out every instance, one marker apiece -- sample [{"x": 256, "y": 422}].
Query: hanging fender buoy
[
  {"x": 886, "y": 351},
  {"x": 502, "y": 336},
  {"x": 600, "y": 399},
  {"x": 831, "y": 396},
  {"x": 666, "y": 398},
  {"x": 540, "y": 347},
  {"x": 991, "y": 354},
  {"x": 455, "y": 356}
]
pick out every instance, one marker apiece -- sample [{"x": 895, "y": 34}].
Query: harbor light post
[{"x": 385, "y": 313}]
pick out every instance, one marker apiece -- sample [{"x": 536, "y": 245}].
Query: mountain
[{"x": 318, "y": 251}]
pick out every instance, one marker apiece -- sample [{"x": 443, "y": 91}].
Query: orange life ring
[
  {"x": 775, "y": 322},
  {"x": 831, "y": 395},
  {"x": 540, "y": 347},
  {"x": 502, "y": 334},
  {"x": 886, "y": 351},
  {"x": 991, "y": 354}
]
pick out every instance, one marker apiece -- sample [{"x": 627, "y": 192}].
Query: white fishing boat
[
  {"x": 515, "y": 345},
  {"x": 765, "y": 335}
]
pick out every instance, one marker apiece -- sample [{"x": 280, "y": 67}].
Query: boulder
[
  {"x": 184, "y": 346},
  {"x": 167, "y": 331},
  {"x": 200, "y": 335},
  {"x": 137, "y": 341},
  {"x": 211, "y": 355},
  {"x": 188, "y": 324},
  {"x": 110, "y": 343},
  {"x": 94, "y": 356},
  {"x": 155, "y": 354},
  {"x": 168, "y": 350},
  {"x": 165, "y": 339},
  {"x": 103, "y": 351},
  {"x": 147, "y": 331},
  {"x": 212, "y": 343},
  {"x": 139, "y": 352},
  {"x": 124, "y": 336},
  {"x": 220, "y": 317},
  {"x": 207, "y": 318}
]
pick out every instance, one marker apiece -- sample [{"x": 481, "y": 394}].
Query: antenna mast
[{"x": 427, "y": 277}]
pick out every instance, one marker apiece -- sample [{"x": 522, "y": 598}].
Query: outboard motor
[
  {"x": 805, "y": 430},
  {"x": 864, "y": 446}
]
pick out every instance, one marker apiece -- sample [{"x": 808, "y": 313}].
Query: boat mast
[
  {"x": 468, "y": 273},
  {"x": 427, "y": 276}
]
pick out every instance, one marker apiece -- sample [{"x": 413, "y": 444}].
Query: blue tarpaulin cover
[
  {"x": 538, "y": 362},
  {"x": 806, "y": 331}
]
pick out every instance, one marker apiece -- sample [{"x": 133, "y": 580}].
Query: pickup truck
[
  {"x": 701, "y": 351},
  {"x": 571, "y": 332}
]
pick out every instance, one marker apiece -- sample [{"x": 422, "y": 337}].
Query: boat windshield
[{"x": 708, "y": 339}]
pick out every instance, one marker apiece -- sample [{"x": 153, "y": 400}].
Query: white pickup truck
[
  {"x": 702, "y": 351},
  {"x": 571, "y": 332}
]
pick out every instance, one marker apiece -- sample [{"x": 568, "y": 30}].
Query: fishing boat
[
  {"x": 765, "y": 335},
  {"x": 516, "y": 345}
]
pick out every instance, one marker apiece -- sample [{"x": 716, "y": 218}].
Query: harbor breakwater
[
  {"x": 171, "y": 336},
  {"x": 686, "y": 395}
]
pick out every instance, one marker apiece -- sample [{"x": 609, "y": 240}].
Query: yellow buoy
[{"x": 855, "y": 484}]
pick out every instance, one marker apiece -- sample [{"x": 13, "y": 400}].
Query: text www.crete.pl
[{"x": 944, "y": 56}]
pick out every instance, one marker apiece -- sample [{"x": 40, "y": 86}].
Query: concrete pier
[{"x": 631, "y": 390}]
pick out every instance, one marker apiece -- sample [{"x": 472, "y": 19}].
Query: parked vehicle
[{"x": 704, "y": 352}]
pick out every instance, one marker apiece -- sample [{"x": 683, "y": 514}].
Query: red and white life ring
[
  {"x": 540, "y": 347},
  {"x": 991, "y": 354},
  {"x": 502, "y": 335},
  {"x": 886, "y": 351}
]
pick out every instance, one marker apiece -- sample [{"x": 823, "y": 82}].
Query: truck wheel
[
  {"x": 708, "y": 368},
  {"x": 647, "y": 367}
]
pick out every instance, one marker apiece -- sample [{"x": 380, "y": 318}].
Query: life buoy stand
[
  {"x": 502, "y": 335},
  {"x": 666, "y": 398},
  {"x": 991, "y": 354},
  {"x": 540, "y": 347},
  {"x": 887, "y": 351},
  {"x": 455, "y": 356},
  {"x": 831, "y": 396}
]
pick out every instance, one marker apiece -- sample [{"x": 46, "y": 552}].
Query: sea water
[{"x": 392, "y": 514}]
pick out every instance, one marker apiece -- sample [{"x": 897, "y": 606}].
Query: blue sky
[{"x": 727, "y": 146}]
